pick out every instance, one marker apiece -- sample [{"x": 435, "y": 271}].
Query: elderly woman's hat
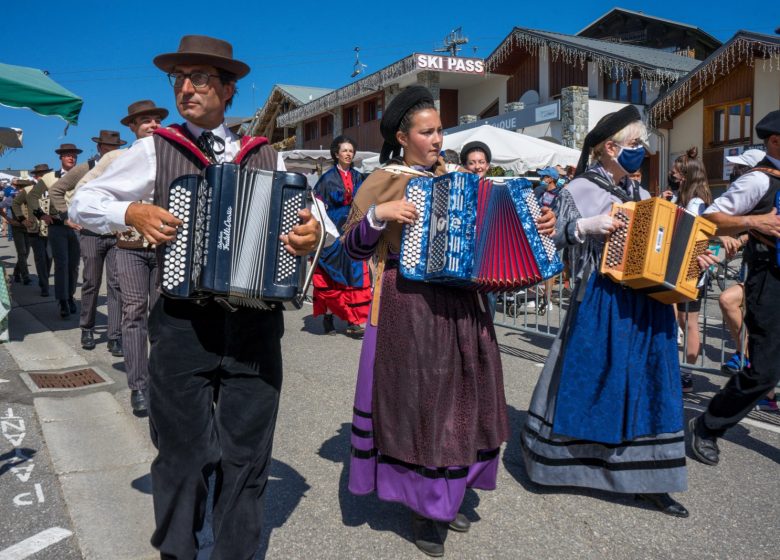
[
  {"x": 608, "y": 126},
  {"x": 200, "y": 49},
  {"x": 394, "y": 114},
  {"x": 141, "y": 109},
  {"x": 476, "y": 145}
]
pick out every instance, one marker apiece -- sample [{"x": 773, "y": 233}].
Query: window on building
[
  {"x": 618, "y": 88},
  {"x": 310, "y": 131},
  {"x": 729, "y": 123},
  {"x": 370, "y": 110},
  {"x": 326, "y": 125},
  {"x": 351, "y": 116}
]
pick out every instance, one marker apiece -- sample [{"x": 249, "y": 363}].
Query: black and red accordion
[{"x": 474, "y": 233}]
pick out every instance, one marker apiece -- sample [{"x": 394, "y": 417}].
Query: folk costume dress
[
  {"x": 607, "y": 410},
  {"x": 429, "y": 413},
  {"x": 341, "y": 285}
]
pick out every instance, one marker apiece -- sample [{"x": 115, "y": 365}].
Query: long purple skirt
[{"x": 433, "y": 492}]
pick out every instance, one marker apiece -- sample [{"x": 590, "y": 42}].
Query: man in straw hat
[
  {"x": 749, "y": 204},
  {"x": 63, "y": 241},
  {"x": 38, "y": 243},
  {"x": 200, "y": 346},
  {"x": 97, "y": 251}
]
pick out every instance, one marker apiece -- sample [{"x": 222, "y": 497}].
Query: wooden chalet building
[
  {"x": 716, "y": 106},
  {"x": 282, "y": 99}
]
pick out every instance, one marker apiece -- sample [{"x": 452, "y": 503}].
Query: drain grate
[{"x": 65, "y": 380}]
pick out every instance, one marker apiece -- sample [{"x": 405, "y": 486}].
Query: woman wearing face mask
[
  {"x": 606, "y": 412},
  {"x": 429, "y": 412},
  {"x": 694, "y": 195}
]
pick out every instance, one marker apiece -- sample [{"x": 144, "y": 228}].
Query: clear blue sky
[{"x": 102, "y": 51}]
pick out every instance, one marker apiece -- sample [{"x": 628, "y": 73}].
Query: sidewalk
[{"x": 101, "y": 454}]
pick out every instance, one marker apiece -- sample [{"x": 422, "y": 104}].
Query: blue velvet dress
[{"x": 607, "y": 410}]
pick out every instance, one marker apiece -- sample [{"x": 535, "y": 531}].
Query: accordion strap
[
  {"x": 607, "y": 185},
  {"x": 403, "y": 169}
]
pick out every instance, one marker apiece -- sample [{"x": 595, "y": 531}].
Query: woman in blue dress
[{"x": 607, "y": 411}]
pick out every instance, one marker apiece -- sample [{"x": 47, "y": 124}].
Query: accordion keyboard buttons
[
  {"x": 617, "y": 241},
  {"x": 413, "y": 234},
  {"x": 536, "y": 212},
  {"x": 287, "y": 263},
  {"x": 178, "y": 204}
]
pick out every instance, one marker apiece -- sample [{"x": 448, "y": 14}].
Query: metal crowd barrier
[{"x": 534, "y": 311}]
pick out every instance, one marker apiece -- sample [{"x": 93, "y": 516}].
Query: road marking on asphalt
[
  {"x": 34, "y": 544},
  {"x": 4, "y": 380},
  {"x": 748, "y": 421}
]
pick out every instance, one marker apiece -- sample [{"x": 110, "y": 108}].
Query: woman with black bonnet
[
  {"x": 475, "y": 156},
  {"x": 607, "y": 410},
  {"x": 341, "y": 286},
  {"x": 430, "y": 413}
]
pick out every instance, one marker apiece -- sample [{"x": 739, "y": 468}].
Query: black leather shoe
[
  {"x": 44, "y": 292},
  {"x": 26, "y": 281},
  {"x": 426, "y": 536},
  {"x": 138, "y": 402},
  {"x": 87, "y": 339},
  {"x": 115, "y": 347},
  {"x": 665, "y": 503},
  {"x": 327, "y": 324},
  {"x": 355, "y": 331},
  {"x": 461, "y": 523},
  {"x": 704, "y": 447},
  {"x": 72, "y": 305},
  {"x": 64, "y": 309}
]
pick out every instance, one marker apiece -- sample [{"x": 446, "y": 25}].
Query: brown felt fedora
[
  {"x": 67, "y": 149},
  {"x": 200, "y": 49},
  {"x": 142, "y": 108},
  {"x": 40, "y": 169},
  {"x": 110, "y": 138}
]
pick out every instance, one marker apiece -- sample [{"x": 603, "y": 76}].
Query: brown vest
[{"x": 175, "y": 160}]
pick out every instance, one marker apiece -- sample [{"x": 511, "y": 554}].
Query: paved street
[{"x": 91, "y": 460}]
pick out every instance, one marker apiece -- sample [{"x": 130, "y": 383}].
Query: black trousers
[
  {"x": 22, "y": 246},
  {"x": 42, "y": 256},
  {"x": 214, "y": 383},
  {"x": 66, "y": 254},
  {"x": 762, "y": 319}
]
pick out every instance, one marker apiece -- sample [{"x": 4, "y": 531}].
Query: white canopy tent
[{"x": 511, "y": 150}]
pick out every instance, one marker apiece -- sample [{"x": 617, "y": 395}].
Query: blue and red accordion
[{"x": 478, "y": 234}]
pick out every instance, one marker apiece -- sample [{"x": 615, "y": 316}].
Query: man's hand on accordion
[
  {"x": 303, "y": 238},
  {"x": 545, "y": 223},
  {"x": 156, "y": 224}
]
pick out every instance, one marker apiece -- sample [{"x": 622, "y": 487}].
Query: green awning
[{"x": 30, "y": 88}]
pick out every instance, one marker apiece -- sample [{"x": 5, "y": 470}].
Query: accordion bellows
[
  {"x": 655, "y": 250},
  {"x": 477, "y": 234},
  {"x": 228, "y": 246}
]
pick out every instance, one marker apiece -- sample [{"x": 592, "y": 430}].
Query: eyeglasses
[{"x": 198, "y": 80}]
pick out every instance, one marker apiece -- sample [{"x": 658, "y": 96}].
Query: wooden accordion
[
  {"x": 655, "y": 250},
  {"x": 474, "y": 233},
  {"x": 228, "y": 245}
]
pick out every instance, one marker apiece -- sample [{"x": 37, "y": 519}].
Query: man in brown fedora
[
  {"x": 63, "y": 241},
  {"x": 38, "y": 243},
  {"x": 97, "y": 251},
  {"x": 136, "y": 265},
  {"x": 200, "y": 350}
]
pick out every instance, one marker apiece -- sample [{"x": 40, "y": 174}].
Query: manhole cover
[{"x": 65, "y": 380}]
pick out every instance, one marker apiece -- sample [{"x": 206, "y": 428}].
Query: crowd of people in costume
[{"x": 430, "y": 415}]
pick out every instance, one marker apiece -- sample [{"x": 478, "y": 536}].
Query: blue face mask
[
  {"x": 630, "y": 159},
  {"x": 560, "y": 182}
]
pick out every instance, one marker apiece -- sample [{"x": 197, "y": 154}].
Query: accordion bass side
[
  {"x": 228, "y": 246},
  {"x": 655, "y": 250},
  {"x": 476, "y": 233}
]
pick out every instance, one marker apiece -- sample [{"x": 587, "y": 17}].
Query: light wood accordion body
[{"x": 655, "y": 250}]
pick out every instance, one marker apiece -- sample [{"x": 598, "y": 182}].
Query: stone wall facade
[{"x": 574, "y": 116}]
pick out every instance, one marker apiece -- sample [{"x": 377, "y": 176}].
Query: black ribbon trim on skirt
[
  {"x": 593, "y": 462},
  {"x": 358, "y": 412},
  {"x": 362, "y": 433},
  {"x": 557, "y": 443},
  {"x": 360, "y": 303},
  {"x": 441, "y": 472}
]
